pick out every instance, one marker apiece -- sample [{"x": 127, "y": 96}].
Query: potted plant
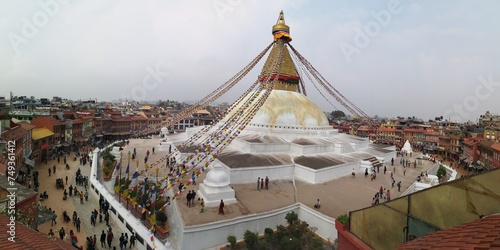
[
  {"x": 441, "y": 173},
  {"x": 342, "y": 222}
]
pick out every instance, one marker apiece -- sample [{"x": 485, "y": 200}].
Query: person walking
[
  {"x": 86, "y": 195},
  {"x": 404, "y": 171},
  {"x": 81, "y": 197},
  {"x": 399, "y": 186},
  {"x": 78, "y": 223},
  {"x": 202, "y": 203},
  {"x": 125, "y": 238},
  {"x": 62, "y": 233},
  {"x": 103, "y": 239},
  {"x": 132, "y": 240},
  {"x": 121, "y": 241},
  {"x": 353, "y": 173},
  {"x": 385, "y": 168},
  {"x": 267, "y": 183},
  {"x": 388, "y": 195},
  {"x": 53, "y": 218},
  {"x": 51, "y": 233},
  {"x": 66, "y": 180},
  {"x": 50, "y": 171},
  {"x": 221, "y": 207},
  {"x": 109, "y": 238},
  {"x": 54, "y": 169},
  {"x": 258, "y": 183},
  {"x": 188, "y": 199}
]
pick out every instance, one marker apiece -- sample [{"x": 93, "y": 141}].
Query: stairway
[{"x": 375, "y": 162}]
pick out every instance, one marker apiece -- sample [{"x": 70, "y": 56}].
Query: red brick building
[
  {"x": 23, "y": 148},
  {"x": 54, "y": 125}
]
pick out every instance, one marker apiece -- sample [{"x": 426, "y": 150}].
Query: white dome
[
  {"x": 217, "y": 178},
  {"x": 290, "y": 109}
]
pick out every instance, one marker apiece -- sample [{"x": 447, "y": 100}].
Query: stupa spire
[
  {"x": 281, "y": 30},
  {"x": 288, "y": 78}
]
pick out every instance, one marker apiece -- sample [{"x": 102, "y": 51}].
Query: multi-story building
[
  {"x": 21, "y": 139},
  {"x": 43, "y": 144},
  {"x": 491, "y": 133},
  {"x": 138, "y": 123},
  {"x": 416, "y": 136},
  {"x": 486, "y": 157},
  {"x": 390, "y": 136},
  {"x": 470, "y": 153},
  {"x": 496, "y": 155},
  {"x": 455, "y": 146},
  {"x": 431, "y": 141},
  {"x": 56, "y": 126},
  {"x": 444, "y": 146},
  {"x": 121, "y": 127},
  {"x": 88, "y": 125}
]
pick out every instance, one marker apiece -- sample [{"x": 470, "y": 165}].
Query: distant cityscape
[{"x": 42, "y": 126}]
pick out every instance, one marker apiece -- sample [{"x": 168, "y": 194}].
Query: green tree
[
  {"x": 291, "y": 217},
  {"x": 337, "y": 114},
  {"x": 290, "y": 243},
  {"x": 232, "y": 240},
  {"x": 441, "y": 172},
  {"x": 251, "y": 240}
]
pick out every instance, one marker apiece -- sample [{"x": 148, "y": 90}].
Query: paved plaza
[
  {"x": 337, "y": 196},
  {"x": 56, "y": 202}
]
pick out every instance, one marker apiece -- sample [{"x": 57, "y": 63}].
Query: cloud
[{"x": 415, "y": 8}]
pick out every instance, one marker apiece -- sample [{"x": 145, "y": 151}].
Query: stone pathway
[{"x": 57, "y": 203}]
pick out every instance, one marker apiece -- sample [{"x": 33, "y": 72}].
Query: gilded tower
[{"x": 288, "y": 78}]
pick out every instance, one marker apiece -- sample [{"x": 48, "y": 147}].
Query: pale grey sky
[{"x": 390, "y": 58}]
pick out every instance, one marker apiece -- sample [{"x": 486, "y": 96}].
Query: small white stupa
[
  {"x": 216, "y": 187},
  {"x": 165, "y": 143},
  {"x": 407, "y": 148}
]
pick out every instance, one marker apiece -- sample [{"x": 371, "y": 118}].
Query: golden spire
[
  {"x": 288, "y": 78},
  {"x": 281, "y": 30}
]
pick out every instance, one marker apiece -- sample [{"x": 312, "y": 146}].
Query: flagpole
[
  {"x": 128, "y": 164},
  {"x": 128, "y": 174},
  {"x": 120, "y": 178}
]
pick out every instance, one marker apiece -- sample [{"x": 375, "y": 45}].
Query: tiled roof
[
  {"x": 27, "y": 126},
  {"x": 27, "y": 238},
  {"x": 479, "y": 234},
  {"x": 496, "y": 146},
  {"x": 14, "y": 133},
  {"x": 39, "y": 133}
]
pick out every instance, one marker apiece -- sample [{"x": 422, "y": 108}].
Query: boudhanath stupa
[
  {"x": 273, "y": 130},
  {"x": 289, "y": 136}
]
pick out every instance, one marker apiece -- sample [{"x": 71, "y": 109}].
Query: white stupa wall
[
  {"x": 310, "y": 149},
  {"x": 325, "y": 174},
  {"x": 248, "y": 147},
  {"x": 251, "y": 174}
]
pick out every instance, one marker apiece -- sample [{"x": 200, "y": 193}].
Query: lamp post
[{"x": 157, "y": 171}]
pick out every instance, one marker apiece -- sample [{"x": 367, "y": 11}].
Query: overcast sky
[{"x": 390, "y": 58}]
